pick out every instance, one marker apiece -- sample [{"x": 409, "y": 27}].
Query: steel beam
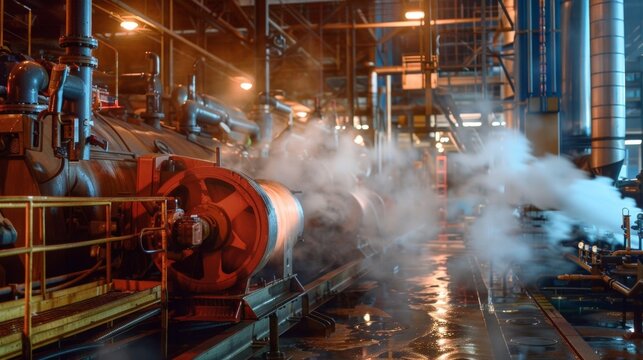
[{"x": 223, "y": 66}]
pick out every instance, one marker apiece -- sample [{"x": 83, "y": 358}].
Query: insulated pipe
[
  {"x": 25, "y": 81},
  {"x": 575, "y": 89},
  {"x": 608, "y": 86},
  {"x": 79, "y": 43}
]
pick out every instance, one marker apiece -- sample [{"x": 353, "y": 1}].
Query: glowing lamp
[
  {"x": 301, "y": 114},
  {"x": 413, "y": 10},
  {"x": 246, "y": 85},
  {"x": 414, "y": 15},
  {"x": 129, "y": 25}
]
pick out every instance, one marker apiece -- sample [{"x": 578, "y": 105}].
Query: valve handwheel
[{"x": 241, "y": 228}]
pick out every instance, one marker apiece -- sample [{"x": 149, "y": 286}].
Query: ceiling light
[
  {"x": 633, "y": 142},
  {"x": 246, "y": 85},
  {"x": 129, "y": 25},
  {"x": 365, "y": 127},
  {"x": 301, "y": 114},
  {"x": 359, "y": 140},
  {"x": 472, "y": 124},
  {"x": 414, "y": 15}
]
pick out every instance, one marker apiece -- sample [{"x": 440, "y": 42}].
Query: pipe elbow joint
[
  {"x": 188, "y": 121},
  {"x": 25, "y": 80},
  {"x": 155, "y": 62}
]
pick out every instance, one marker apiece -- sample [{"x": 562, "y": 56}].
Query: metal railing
[{"x": 33, "y": 204}]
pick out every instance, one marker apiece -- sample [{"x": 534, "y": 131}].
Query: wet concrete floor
[{"x": 428, "y": 301}]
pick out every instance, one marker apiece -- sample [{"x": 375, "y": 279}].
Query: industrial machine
[{"x": 149, "y": 201}]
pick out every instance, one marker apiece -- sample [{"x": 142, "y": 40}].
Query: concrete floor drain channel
[
  {"x": 534, "y": 341},
  {"x": 523, "y": 321}
]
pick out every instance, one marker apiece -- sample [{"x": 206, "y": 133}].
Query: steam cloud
[
  {"x": 334, "y": 174},
  {"x": 342, "y": 197},
  {"x": 506, "y": 174}
]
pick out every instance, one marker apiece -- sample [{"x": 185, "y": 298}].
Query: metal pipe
[
  {"x": 79, "y": 43},
  {"x": 73, "y": 88},
  {"x": 59, "y": 75},
  {"x": 116, "y": 73},
  {"x": 154, "y": 92},
  {"x": 1, "y": 23},
  {"x": 575, "y": 83},
  {"x": 389, "y": 115},
  {"x": 28, "y": 24},
  {"x": 625, "y": 252},
  {"x": 25, "y": 81},
  {"x": 127, "y": 325},
  {"x": 350, "y": 63},
  {"x": 193, "y": 114},
  {"x": 608, "y": 86},
  {"x": 578, "y": 277},
  {"x": 262, "y": 52},
  {"x": 192, "y": 87},
  {"x": 222, "y": 66}
]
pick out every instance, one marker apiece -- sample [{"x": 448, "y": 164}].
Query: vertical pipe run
[
  {"x": 427, "y": 64},
  {"x": 389, "y": 113},
  {"x": 167, "y": 46},
  {"x": 350, "y": 63},
  {"x": 79, "y": 43},
  {"x": 483, "y": 43},
  {"x": 262, "y": 73},
  {"x": 26, "y": 325},
  {"x": 262, "y": 60},
  {"x": 575, "y": 83},
  {"x": 608, "y": 86},
  {"x": 1, "y": 23},
  {"x": 108, "y": 245},
  {"x": 164, "y": 284}
]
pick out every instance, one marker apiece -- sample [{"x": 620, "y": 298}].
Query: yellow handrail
[{"x": 29, "y": 203}]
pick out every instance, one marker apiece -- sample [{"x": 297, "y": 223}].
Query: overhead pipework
[{"x": 608, "y": 86}]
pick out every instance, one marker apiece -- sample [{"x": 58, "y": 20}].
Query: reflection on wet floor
[
  {"x": 431, "y": 301},
  {"x": 425, "y": 307}
]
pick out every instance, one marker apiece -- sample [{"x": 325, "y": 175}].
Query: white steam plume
[{"x": 506, "y": 174}]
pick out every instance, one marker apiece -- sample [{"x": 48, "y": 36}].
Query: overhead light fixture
[
  {"x": 472, "y": 124},
  {"x": 633, "y": 142},
  {"x": 413, "y": 10},
  {"x": 129, "y": 25},
  {"x": 301, "y": 114},
  {"x": 359, "y": 140},
  {"x": 414, "y": 15},
  {"x": 246, "y": 85}
]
